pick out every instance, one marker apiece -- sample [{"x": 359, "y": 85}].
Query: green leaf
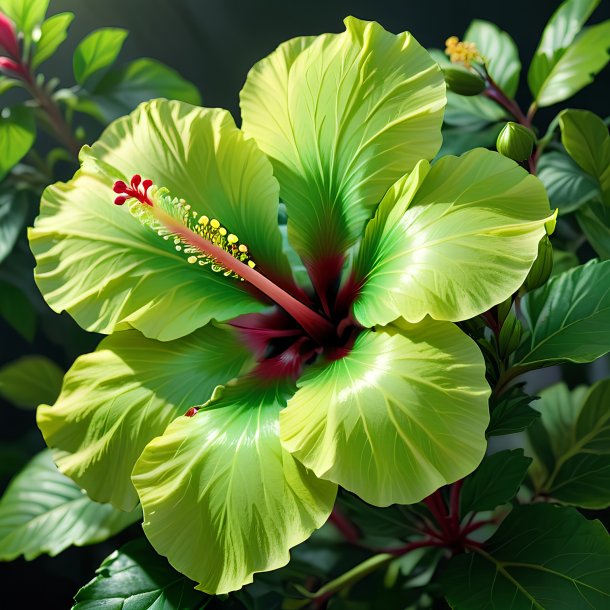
[
  {"x": 555, "y": 78},
  {"x": 111, "y": 272},
  {"x": 115, "y": 400},
  {"x": 27, "y": 14},
  {"x": 511, "y": 412},
  {"x": 42, "y": 511},
  {"x": 563, "y": 261},
  {"x": 542, "y": 557},
  {"x": 594, "y": 220},
  {"x": 496, "y": 481},
  {"x": 6, "y": 84},
  {"x": 500, "y": 51},
  {"x": 568, "y": 318},
  {"x": 450, "y": 241},
  {"x": 585, "y": 137},
  {"x": 568, "y": 187},
  {"x": 13, "y": 213},
  {"x": 17, "y": 134},
  {"x": 53, "y": 32},
  {"x": 122, "y": 89},
  {"x": 30, "y": 381},
  {"x": 17, "y": 310},
  {"x": 135, "y": 577},
  {"x": 382, "y": 421},
  {"x": 221, "y": 498},
  {"x": 341, "y": 117},
  {"x": 97, "y": 51},
  {"x": 572, "y": 445}
]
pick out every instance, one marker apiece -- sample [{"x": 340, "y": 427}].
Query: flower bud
[
  {"x": 516, "y": 142},
  {"x": 510, "y": 335},
  {"x": 463, "y": 82},
  {"x": 542, "y": 267},
  {"x": 8, "y": 37}
]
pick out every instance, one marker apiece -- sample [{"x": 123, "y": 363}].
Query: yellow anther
[
  {"x": 203, "y": 220},
  {"x": 251, "y": 264},
  {"x": 192, "y": 259},
  {"x": 232, "y": 239},
  {"x": 214, "y": 223},
  {"x": 243, "y": 248},
  {"x": 222, "y": 231},
  {"x": 461, "y": 52}
]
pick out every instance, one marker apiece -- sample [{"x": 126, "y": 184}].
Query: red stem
[
  {"x": 454, "y": 504},
  {"x": 347, "y": 529}
]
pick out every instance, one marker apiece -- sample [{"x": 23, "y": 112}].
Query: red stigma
[
  {"x": 192, "y": 411},
  {"x": 138, "y": 189}
]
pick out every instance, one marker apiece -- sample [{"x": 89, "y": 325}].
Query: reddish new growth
[{"x": 138, "y": 189}]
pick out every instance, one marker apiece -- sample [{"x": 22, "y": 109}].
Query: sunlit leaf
[{"x": 97, "y": 51}]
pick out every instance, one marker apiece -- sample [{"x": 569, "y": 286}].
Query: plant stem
[
  {"x": 347, "y": 529},
  {"x": 454, "y": 504}
]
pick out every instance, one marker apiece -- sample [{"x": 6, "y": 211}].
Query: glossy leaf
[
  {"x": 341, "y": 117},
  {"x": 594, "y": 220},
  {"x": 555, "y": 78},
  {"x": 511, "y": 412},
  {"x": 382, "y": 421},
  {"x": 13, "y": 212},
  {"x": 17, "y": 134},
  {"x": 568, "y": 318},
  {"x": 542, "y": 557},
  {"x": 30, "y": 381},
  {"x": 135, "y": 577},
  {"x": 115, "y": 400},
  {"x": 110, "y": 272},
  {"x": 221, "y": 498},
  {"x": 585, "y": 137},
  {"x": 450, "y": 241},
  {"x": 496, "y": 481},
  {"x": 572, "y": 445},
  {"x": 53, "y": 32},
  {"x": 97, "y": 51},
  {"x": 122, "y": 89},
  {"x": 42, "y": 511},
  {"x": 27, "y": 14},
  {"x": 568, "y": 187},
  {"x": 500, "y": 51}
]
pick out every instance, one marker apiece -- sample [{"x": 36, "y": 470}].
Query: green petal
[
  {"x": 450, "y": 241},
  {"x": 115, "y": 400},
  {"x": 342, "y": 116},
  {"x": 108, "y": 271},
  {"x": 221, "y": 498},
  {"x": 403, "y": 414}
]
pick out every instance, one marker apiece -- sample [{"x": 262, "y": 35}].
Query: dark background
[{"x": 213, "y": 43}]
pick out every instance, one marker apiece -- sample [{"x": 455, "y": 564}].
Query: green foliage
[
  {"x": 17, "y": 134},
  {"x": 542, "y": 556},
  {"x": 43, "y": 511},
  {"x": 13, "y": 212},
  {"x": 27, "y": 14},
  {"x": 97, "y": 51},
  {"x": 511, "y": 412},
  {"x": 594, "y": 220},
  {"x": 135, "y": 577},
  {"x": 53, "y": 32},
  {"x": 30, "y": 381}
]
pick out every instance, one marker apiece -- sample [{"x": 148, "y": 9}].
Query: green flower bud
[
  {"x": 542, "y": 267},
  {"x": 516, "y": 142},
  {"x": 463, "y": 82},
  {"x": 510, "y": 335}
]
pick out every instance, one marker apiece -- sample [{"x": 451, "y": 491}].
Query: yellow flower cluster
[{"x": 461, "y": 52}]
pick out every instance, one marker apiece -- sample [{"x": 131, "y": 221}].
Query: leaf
[
  {"x": 117, "y": 399},
  {"x": 17, "y": 134},
  {"x": 13, "y": 214},
  {"x": 542, "y": 556},
  {"x": 342, "y": 116},
  {"x": 568, "y": 71},
  {"x": 6, "y": 84},
  {"x": 450, "y": 241},
  {"x": 27, "y": 14},
  {"x": 511, "y": 412},
  {"x": 17, "y": 310},
  {"x": 42, "y": 511},
  {"x": 563, "y": 261},
  {"x": 30, "y": 381},
  {"x": 221, "y": 498},
  {"x": 594, "y": 220},
  {"x": 122, "y": 89},
  {"x": 53, "y": 32},
  {"x": 572, "y": 445},
  {"x": 135, "y": 577},
  {"x": 500, "y": 51},
  {"x": 568, "y": 187},
  {"x": 97, "y": 51},
  {"x": 585, "y": 137},
  {"x": 568, "y": 318},
  {"x": 382, "y": 421},
  {"x": 139, "y": 279},
  {"x": 496, "y": 481}
]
